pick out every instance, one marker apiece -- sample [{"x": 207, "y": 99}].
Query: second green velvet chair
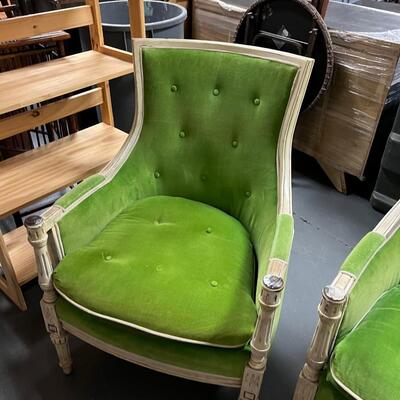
[
  {"x": 174, "y": 257},
  {"x": 355, "y": 351}
]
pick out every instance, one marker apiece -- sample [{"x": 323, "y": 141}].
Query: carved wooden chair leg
[
  {"x": 270, "y": 298},
  {"x": 38, "y": 237},
  {"x": 330, "y": 313},
  {"x": 57, "y": 334}
]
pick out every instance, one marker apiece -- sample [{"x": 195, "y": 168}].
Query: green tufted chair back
[{"x": 210, "y": 132}]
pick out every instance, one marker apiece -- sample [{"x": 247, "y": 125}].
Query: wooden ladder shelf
[{"x": 35, "y": 174}]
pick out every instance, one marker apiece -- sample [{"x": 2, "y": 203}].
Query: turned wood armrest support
[
  {"x": 330, "y": 311},
  {"x": 270, "y": 299},
  {"x": 38, "y": 228}
]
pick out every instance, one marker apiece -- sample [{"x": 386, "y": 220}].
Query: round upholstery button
[
  {"x": 216, "y": 92},
  {"x": 156, "y": 174},
  {"x": 256, "y": 101},
  {"x": 248, "y": 194},
  {"x": 174, "y": 88},
  {"x": 108, "y": 258},
  {"x": 203, "y": 178},
  {"x": 234, "y": 143},
  {"x": 182, "y": 134},
  {"x": 209, "y": 230},
  {"x": 214, "y": 283},
  {"x": 159, "y": 268}
]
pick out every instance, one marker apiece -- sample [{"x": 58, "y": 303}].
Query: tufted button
[
  {"x": 256, "y": 101},
  {"x": 108, "y": 258},
  {"x": 234, "y": 143},
  {"x": 216, "y": 92},
  {"x": 157, "y": 222},
  {"x": 248, "y": 194},
  {"x": 214, "y": 283},
  {"x": 174, "y": 88},
  {"x": 159, "y": 268},
  {"x": 157, "y": 174},
  {"x": 203, "y": 178},
  {"x": 182, "y": 134},
  {"x": 209, "y": 230}
]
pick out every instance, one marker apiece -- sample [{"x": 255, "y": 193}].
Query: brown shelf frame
[{"x": 74, "y": 157}]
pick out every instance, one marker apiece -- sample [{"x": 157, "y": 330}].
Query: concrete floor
[{"x": 328, "y": 225}]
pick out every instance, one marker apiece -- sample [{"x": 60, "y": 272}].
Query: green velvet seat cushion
[
  {"x": 366, "y": 363},
  {"x": 212, "y": 360},
  {"x": 169, "y": 266},
  {"x": 329, "y": 391}
]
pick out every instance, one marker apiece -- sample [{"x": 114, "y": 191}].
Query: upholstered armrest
[
  {"x": 270, "y": 289},
  {"x": 88, "y": 208},
  {"x": 375, "y": 265},
  {"x": 275, "y": 261}
]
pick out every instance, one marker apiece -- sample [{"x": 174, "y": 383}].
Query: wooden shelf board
[
  {"x": 21, "y": 255},
  {"x": 37, "y": 173},
  {"x": 44, "y": 81}
]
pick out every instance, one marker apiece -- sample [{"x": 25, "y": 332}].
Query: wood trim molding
[
  {"x": 390, "y": 223},
  {"x": 152, "y": 364}
]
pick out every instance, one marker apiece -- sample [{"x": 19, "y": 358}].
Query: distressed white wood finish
[
  {"x": 330, "y": 313},
  {"x": 271, "y": 293},
  {"x": 390, "y": 223}
]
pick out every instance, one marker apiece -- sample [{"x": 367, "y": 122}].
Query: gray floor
[{"x": 328, "y": 225}]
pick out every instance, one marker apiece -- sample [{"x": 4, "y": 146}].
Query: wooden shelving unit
[{"x": 28, "y": 177}]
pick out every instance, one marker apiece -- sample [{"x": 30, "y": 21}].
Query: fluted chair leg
[
  {"x": 38, "y": 238},
  {"x": 330, "y": 313},
  {"x": 57, "y": 334},
  {"x": 270, "y": 299}
]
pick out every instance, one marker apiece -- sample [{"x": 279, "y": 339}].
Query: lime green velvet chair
[
  {"x": 174, "y": 257},
  {"x": 355, "y": 351}
]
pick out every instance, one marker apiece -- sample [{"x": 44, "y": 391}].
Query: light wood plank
[
  {"x": 106, "y": 108},
  {"x": 97, "y": 39},
  {"x": 37, "y": 24},
  {"x": 35, "y": 174},
  {"x": 96, "y": 29},
  {"x": 117, "y": 53},
  {"x": 49, "y": 112},
  {"x": 136, "y": 18},
  {"x": 44, "y": 81},
  {"x": 21, "y": 255},
  {"x": 9, "y": 283}
]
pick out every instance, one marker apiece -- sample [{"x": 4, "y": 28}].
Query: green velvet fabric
[
  {"x": 376, "y": 266},
  {"x": 171, "y": 265},
  {"x": 217, "y": 147},
  {"x": 367, "y": 361},
  {"x": 213, "y": 360},
  {"x": 80, "y": 190},
  {"x": 210, "y": 132},
  {"x": 329, "y": 391}
]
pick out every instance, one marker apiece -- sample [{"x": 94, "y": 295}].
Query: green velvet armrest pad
[
  {"x": 280, "y": 249},
  {"x": 82, "y": 223},
  {"x": 80, "y": 190},
  {"x": 375, "y": 263},
  {"x": 282, "y": 244}
]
